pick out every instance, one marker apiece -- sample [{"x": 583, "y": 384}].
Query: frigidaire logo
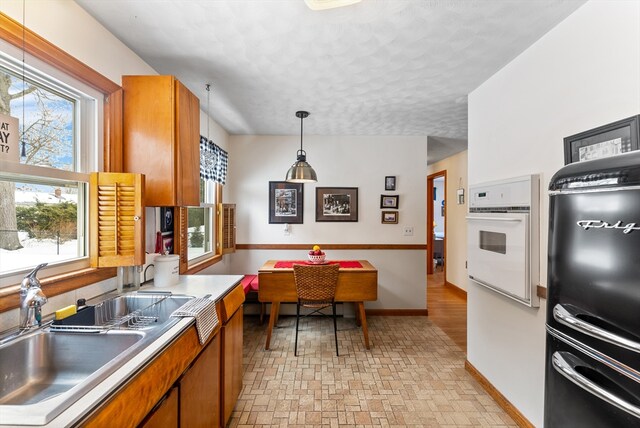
[{"x": 599, "y": 224}]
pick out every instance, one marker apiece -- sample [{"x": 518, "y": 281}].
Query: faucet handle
[{"x": 30, "y": 279}]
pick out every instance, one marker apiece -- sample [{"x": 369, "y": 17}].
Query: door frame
[{"x": 430, "y": 215}]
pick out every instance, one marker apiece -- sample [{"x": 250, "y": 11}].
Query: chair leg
[
  {"x": 295, "y": 347},
  {"x": 335, "y": 328}
]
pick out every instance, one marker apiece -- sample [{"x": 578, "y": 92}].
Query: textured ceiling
[{"x": 380, "y": 67}]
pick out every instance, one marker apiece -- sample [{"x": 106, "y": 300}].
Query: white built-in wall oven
[{"x": 502, "y": 237}]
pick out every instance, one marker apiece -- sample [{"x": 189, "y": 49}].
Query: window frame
[
  {"x": 109, "y": 159},
  {"x": 202, "y": 262}
]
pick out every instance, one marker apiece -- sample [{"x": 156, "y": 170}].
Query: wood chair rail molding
[
  {"x": 332, "y": 246},
  {"x": 14, "y": 33}
]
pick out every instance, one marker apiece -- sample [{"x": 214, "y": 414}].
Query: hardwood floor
[{"x": 447, "y": 309}]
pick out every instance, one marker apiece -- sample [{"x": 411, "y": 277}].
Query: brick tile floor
[{"x": 413, "y": 376}]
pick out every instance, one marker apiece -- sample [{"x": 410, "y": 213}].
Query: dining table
[{"x": 357, "y": 283}]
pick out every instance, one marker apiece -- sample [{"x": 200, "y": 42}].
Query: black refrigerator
[{"x": 593, "y": 296}]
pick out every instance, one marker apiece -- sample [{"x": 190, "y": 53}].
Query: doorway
[{"x": 436, "y": 222}]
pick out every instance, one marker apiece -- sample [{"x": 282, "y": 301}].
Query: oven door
[{"x": 498, "y": 252}]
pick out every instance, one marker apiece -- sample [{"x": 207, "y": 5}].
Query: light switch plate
[{"x": 407, "y": 231}]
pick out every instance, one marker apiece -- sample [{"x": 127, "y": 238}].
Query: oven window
[{"x": 493, "y": 241}]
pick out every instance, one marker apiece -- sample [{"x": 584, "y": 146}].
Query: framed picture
[
  {"x": 167, "y": 244},
  {"x": 389, "y": 201},
  {"x": 336, "y": 204},
  {"x": 604, "y": 141},
  {"x": 389, "y": 217},
  {"x": 285, "y": 202},
  {"x": 390, "y": 182},
  {"x": 166, "y": 219}
]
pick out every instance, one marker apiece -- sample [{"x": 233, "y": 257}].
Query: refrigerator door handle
[
  {"x": 568, "y": 317},
  {"x": 567, "y": 370}
]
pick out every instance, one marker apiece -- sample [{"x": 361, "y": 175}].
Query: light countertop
[{"x": 217, "y": 286}]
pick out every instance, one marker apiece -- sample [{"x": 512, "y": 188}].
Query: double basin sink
[{"x": 46, "y": 370}]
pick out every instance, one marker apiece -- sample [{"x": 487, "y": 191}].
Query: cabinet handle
[{"x": 494, "y": 219}]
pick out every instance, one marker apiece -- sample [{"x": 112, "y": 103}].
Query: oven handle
[
  {"x": 569, "y": 318},
  {"x": 494, "y": 218},
  {"x": 567, "y": 370}
]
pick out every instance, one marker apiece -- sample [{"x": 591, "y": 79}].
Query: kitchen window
[
  {"x": 200, "y": 226},
  {"x": 43, "y": 189}
]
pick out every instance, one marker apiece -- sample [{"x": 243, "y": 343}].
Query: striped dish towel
[{"x": 204, "y": 311}]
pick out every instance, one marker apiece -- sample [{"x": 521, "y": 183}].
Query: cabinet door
[
  {"x": 149, "y": 135},
  {"x": 116, "y": 213},
  {"x": 200, "y": 389},
  {"x": 232, "y": 362},
  {"x": 165, "y": 414},
  {"x": 188, "y": 145}
]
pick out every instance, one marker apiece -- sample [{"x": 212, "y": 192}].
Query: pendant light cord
[
  {"x": 208, "y": 87},
  {"x": 301, "y": 133}
]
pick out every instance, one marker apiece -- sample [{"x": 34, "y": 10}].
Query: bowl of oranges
[{"x": 316, "y": 255}]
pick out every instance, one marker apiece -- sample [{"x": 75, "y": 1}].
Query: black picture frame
[
  {"x": 286, "y": 202},
  {"x": 336, "y": 204},
  {"x": 603, "y": 141},
  {"x": 389, "y": 217},
  {"x": 166, "y": 219},
  {"x": 390, "y": 182},
  {"x": 389, "y": 201}
]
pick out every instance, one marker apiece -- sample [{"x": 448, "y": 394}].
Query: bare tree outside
[{"x": 46, "y": 133}]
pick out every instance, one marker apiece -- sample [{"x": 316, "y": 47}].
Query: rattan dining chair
[{"x": 316, "y": 288}]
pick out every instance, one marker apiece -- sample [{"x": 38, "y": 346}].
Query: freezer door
[
  {"x": 594, "y": 269},
  {"x": 582, "y": 392}
]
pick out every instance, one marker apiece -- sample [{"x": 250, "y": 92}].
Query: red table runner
[{"x": 345, "y": 264}]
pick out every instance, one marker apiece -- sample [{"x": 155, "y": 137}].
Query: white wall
[
  {"x": 456, "y": 233},
  {"x": 582, "y": 74},
  {"x": 347, "y": 161}
]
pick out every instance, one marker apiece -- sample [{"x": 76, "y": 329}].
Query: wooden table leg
[
  {"x": 363, "y": 321},
  {"x": 273, "y": 316}
]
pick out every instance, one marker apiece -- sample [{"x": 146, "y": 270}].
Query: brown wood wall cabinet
[{"x": 161, "y": 138}]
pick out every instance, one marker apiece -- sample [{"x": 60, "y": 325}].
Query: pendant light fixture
[{"x": 301, "y": 171}]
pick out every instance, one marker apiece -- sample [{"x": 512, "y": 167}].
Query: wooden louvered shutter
[
  {"x": 227, "y": 228},
  {"x": 116, "y": 212},
  {"x": 181, "y": 241}
]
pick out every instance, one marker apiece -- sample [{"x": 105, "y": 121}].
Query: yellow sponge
[{"x": 65, "y": 312}]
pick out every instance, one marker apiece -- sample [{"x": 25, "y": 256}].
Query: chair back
[{"x": 316, "y": 283}]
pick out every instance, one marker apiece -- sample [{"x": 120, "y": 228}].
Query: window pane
[
  {"x": 46, "y": 120},
  {"x": 199, "y": 232},
  {"x": 41, "y": 224}
]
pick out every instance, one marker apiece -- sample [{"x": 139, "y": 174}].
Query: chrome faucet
[{"x": 31, "y": 300}]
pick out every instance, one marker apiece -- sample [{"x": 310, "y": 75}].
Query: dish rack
[{"x": 117, "y": 313}]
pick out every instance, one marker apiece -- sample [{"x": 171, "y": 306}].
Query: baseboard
[
  {"x": 456, "y": 290},
  {"x": 498, "y": 397},
  {"x": 397, "y": 312}
]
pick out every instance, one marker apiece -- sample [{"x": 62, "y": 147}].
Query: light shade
[{"x": 301, "y": 172}]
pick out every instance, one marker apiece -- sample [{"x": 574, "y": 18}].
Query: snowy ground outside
[{"x": 36, "y": 251}]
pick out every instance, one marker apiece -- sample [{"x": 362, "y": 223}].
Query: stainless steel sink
[
  {"x": 43, "y": 365},
  {"x": 46, "y": 370}
]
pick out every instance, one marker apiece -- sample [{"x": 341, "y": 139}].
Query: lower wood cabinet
[
  {"x": 231, "y": 332},
  {"x": 165, "y": 414},
  {"x": 200, "y": 389}
]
